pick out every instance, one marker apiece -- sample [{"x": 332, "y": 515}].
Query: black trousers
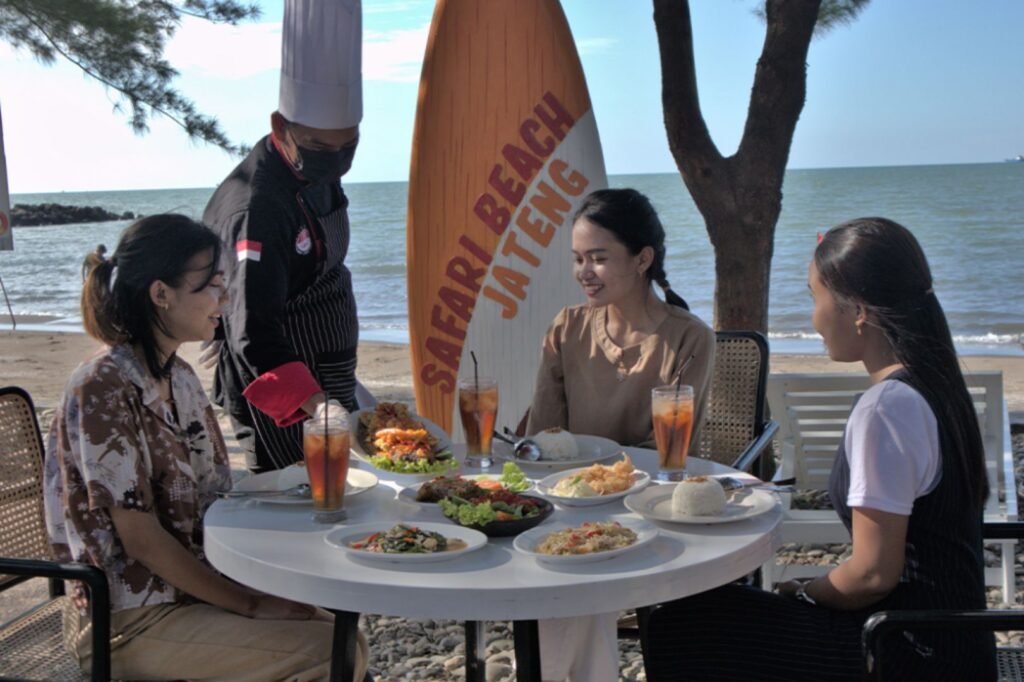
[{"x": 744, "y": 633}]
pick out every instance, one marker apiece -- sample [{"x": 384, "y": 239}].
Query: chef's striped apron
[{"x": 322, "y": 326}]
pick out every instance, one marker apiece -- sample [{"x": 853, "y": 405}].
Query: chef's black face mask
[{"x": 324, "y": 167}]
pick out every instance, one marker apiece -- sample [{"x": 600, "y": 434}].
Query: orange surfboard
[{"x": 505, "y": 150}]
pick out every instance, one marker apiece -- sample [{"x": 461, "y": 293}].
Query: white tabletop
[{"x": 280, "y": 550}]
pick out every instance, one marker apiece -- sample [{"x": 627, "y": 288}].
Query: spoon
[
  {"x": 301, "y": 490},
  {"x": 729, "y": 483},
  {"x": 523, "y": 448}
]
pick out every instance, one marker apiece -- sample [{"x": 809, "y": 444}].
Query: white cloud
[
  {"x": 595, "y": 45},
  {"x": 221, "y": 51},
  {"x": 395, "y": 56},
  {"x": 224, "y": 51}
]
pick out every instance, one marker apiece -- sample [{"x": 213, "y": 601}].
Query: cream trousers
[{"x": 202, "y": 642}]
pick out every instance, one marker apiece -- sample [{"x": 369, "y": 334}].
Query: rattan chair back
[
  {"x": 22, "y": 526},
  {"x": 734, "y": 415}
]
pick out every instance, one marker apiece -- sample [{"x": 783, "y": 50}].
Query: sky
[{"x": 910, "y": 82}]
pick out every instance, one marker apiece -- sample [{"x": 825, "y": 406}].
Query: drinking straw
[
  {"x": 675, "y": 402},
  {"x": 326, "y": 449},
  {"x": 679, "y": 374},
  {"x": 476, "y": 373}
]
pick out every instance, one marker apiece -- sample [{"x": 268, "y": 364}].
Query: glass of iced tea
[
  {"x": 478, "y": 408},
  {"x": 325, "y": 444},
  {"x": 672, "y": 415}
]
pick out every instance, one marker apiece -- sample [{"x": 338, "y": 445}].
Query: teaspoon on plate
[{"x": 523, "y": 448}]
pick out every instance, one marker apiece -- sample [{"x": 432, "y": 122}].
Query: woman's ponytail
[
  {"x": 671, "y": 297},
  {"x": 99, "y": 309}
]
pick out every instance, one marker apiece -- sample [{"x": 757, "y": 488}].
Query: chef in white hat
[{"x": 290, "y": 328}]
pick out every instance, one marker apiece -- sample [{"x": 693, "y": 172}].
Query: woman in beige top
[
  {"x": 601, "y": 359},
  {"x": 600, "y": 362}
]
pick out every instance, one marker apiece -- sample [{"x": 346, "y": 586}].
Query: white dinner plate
[
  {"x": 343, "y": 538},
  {"x": 656, "y": 503},
  {"x": 357, "y": 482},
  {"x": 591, "y": 449},
  {"x": 408, "y": 493},
  {"x": 528, "y": 541},
  {"x": 546, "y": 487}
]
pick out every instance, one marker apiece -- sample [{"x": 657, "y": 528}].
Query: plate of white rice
[
  {"x": 656, "y": 503},
  {"x": 560, "y": 450}
]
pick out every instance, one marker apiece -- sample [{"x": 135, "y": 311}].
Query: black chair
[
  {"x": 735, "y": 431},
  {"x": 881, "y": 625},
  {"x": 31, "y": 645}
]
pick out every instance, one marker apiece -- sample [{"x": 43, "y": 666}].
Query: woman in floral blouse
[{"x": 134, "y": 459}]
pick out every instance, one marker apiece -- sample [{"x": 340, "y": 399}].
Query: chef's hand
[
  {"x": 309, "y": 407},
  {"x": 209, "y": 352}
]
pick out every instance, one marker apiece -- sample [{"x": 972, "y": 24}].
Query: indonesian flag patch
[{"x": 248, "y": 250}]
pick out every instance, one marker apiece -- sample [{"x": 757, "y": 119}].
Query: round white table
[{"x": 279, "y": 549}]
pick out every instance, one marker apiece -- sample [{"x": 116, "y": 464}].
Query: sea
[{"x": 969, "y": 219}]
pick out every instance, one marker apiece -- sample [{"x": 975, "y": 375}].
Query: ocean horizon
[{"x": 969, "y": 219}]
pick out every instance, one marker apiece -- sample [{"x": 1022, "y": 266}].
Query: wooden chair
[
  {"x": 735, "y": 431},
  {"x": 1009, "y": 660},
  {"x": 31, "y": 645},
  {"x": 812, "y": 410}
]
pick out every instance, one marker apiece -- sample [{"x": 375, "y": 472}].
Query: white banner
[{"x": 6, "y": 234}]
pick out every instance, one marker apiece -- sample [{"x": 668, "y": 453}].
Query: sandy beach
[{"x": 40, "y": 362}]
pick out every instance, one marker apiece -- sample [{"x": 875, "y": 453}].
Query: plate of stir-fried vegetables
[
  {"x": 392, "y": 438},
  {"x": 406, "y": 542}
]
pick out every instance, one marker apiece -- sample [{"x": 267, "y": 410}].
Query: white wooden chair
[{"x": 812, "y": 409}]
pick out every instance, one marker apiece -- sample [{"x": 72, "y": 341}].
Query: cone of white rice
[
  {"x": 556, "y": 445},
  {"x": 699, "y": 496}
]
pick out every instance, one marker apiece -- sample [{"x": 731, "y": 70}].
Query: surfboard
[
  {"x": 6, "y": 235},
  {"x": 505, "y": 149}
]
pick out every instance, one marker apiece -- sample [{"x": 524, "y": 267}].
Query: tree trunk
[{"x": 740, "y": 197}]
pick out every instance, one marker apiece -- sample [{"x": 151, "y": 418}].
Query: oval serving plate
[
  {"x": 656, "y": 503},
  {"x": 358, "y": 433},
  {"x": 592, "y": 449},
  {"x": 343, "y": 537},
  {"x": 357, "y": 482},
  {"x": 408, "y": 493},
  {"x": 546, "y": 485},
  {"x": 528, "y": 541}
]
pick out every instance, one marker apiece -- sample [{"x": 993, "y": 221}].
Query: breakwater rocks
[{"x": 28, "y": 215}]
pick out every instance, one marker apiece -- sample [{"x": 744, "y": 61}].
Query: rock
[
  {"x": 455, "y": 663},
  {"x": 28, "y": 215},
  {"x": 498, "y": 672}
]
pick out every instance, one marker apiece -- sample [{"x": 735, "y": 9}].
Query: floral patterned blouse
[{"x": 115, "y": 442}]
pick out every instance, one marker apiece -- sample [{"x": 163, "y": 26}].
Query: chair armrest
[
  {"x": 880, "y": 625},
  {"x": 757, "y": 447},
  {"x": 1002, "y": 530},
  {"x": 99, "y": 600}
]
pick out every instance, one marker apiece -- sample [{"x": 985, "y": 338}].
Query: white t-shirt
[{"x": 892, "y": 445}]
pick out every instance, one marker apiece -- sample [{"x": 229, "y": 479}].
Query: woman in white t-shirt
[{"x": 908, "y": 482}]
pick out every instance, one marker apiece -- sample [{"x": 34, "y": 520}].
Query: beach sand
[{"x": 41, "y": 362}]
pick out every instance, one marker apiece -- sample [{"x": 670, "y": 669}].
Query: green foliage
[
  {"x": 121, "y": 44},
  {"x": 832, "y": 13}
]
